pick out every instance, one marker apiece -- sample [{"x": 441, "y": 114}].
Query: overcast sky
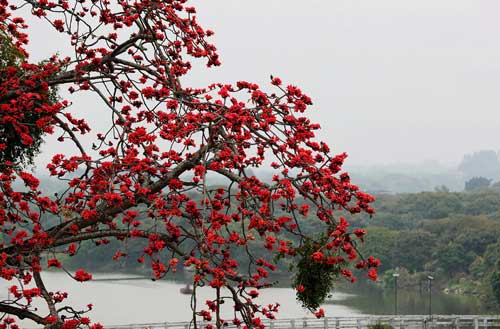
[{"x": 391, "y": 80}]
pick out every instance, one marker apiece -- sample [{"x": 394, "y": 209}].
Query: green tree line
[{"x": 453, "y": 236}]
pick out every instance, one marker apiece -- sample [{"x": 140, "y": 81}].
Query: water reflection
[{"x": 369, "y": 299}]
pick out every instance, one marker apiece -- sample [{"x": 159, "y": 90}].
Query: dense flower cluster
[{"x": 146, "y": 176}]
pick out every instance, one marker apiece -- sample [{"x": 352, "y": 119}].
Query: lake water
[
  {"x": 146, "y": 301},
  {"x": 368, "y": 299}
]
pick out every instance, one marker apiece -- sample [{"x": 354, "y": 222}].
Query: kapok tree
[{"x": 145, "y": 177}]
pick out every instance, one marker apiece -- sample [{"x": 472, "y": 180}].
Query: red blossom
[
  {"x": 318, "y": 256},
  {"x": 145, "y": 175},
  {"x": 81, "y": 275},
  {"x": 253, "y": 293},
  {"x": 372, "y": 274},
  {"x": 53, "y": 263},
  {"x": 320, "y": 313}
]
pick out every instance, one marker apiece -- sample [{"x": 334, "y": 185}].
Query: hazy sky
[{"x": 391, "y": 80}]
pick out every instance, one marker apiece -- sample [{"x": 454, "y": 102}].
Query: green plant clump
[{"x": 313, "y": 280}]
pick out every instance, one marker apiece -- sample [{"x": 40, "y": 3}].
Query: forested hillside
[{"x": 453, "y": 236}]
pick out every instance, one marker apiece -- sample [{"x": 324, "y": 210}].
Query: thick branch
[
  {"x": 21, "y": 314},
  {"x": 45, "y": 293}
]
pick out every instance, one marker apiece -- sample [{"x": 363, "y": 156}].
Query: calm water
[
  {"x": 143, "y": 301},
  {"x": 372, "y": 300}
]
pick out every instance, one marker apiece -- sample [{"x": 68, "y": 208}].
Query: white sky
[{"x": 391, "y": 80}]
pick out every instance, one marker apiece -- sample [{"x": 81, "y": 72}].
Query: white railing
[{"x": 361, "y": 322}]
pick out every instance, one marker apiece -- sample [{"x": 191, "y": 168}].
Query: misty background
[{"x": 406, "y": 88}]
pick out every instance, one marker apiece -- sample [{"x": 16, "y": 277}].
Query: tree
[
  {"x": 477, "y": 183},
  {"x": 495, "y": 284},
  {"x": 145, "y": 178},
  {"x": 413, "y": 248},
  {"x": 484, "y": 163},
  {"x": 19, "y": 140},
  {"x": 382, "y": 243},
  {"x": 442, "y": 189},
  {"x": 453, "y": 258}
]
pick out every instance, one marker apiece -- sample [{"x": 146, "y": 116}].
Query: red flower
[
  {"x": 72, "y": 249},
  {"x": 276, "y": 81},
  {"x": 53, "y": 263},
  {"x": 59, "y": 25},
  {"x": 320, "y": 313},
  {"x": 360, "y": 233},
  {"x": 81, "y": 276},
  {"x": 372, "y": 274},
  {"x": 253, "y": 293},
  {"x": 318, "y": 256}
]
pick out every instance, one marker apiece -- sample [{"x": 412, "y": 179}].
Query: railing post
[
  {"x": 325, "y": 320},
  {"x": 271, "y": 324},
  {"x": 304, "y": 323},
  {"x": 485, "y": 323},
  {"x": 476, "y": 323},
  {"x": 337, "y": 323},
  {"x": 434, "y": 323},
  {"x": 358, "y": 324},
  {"x": 292, "y": 324},
  {"x": 402, "y": 323},
  {"x": 166, "y": 325}
]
